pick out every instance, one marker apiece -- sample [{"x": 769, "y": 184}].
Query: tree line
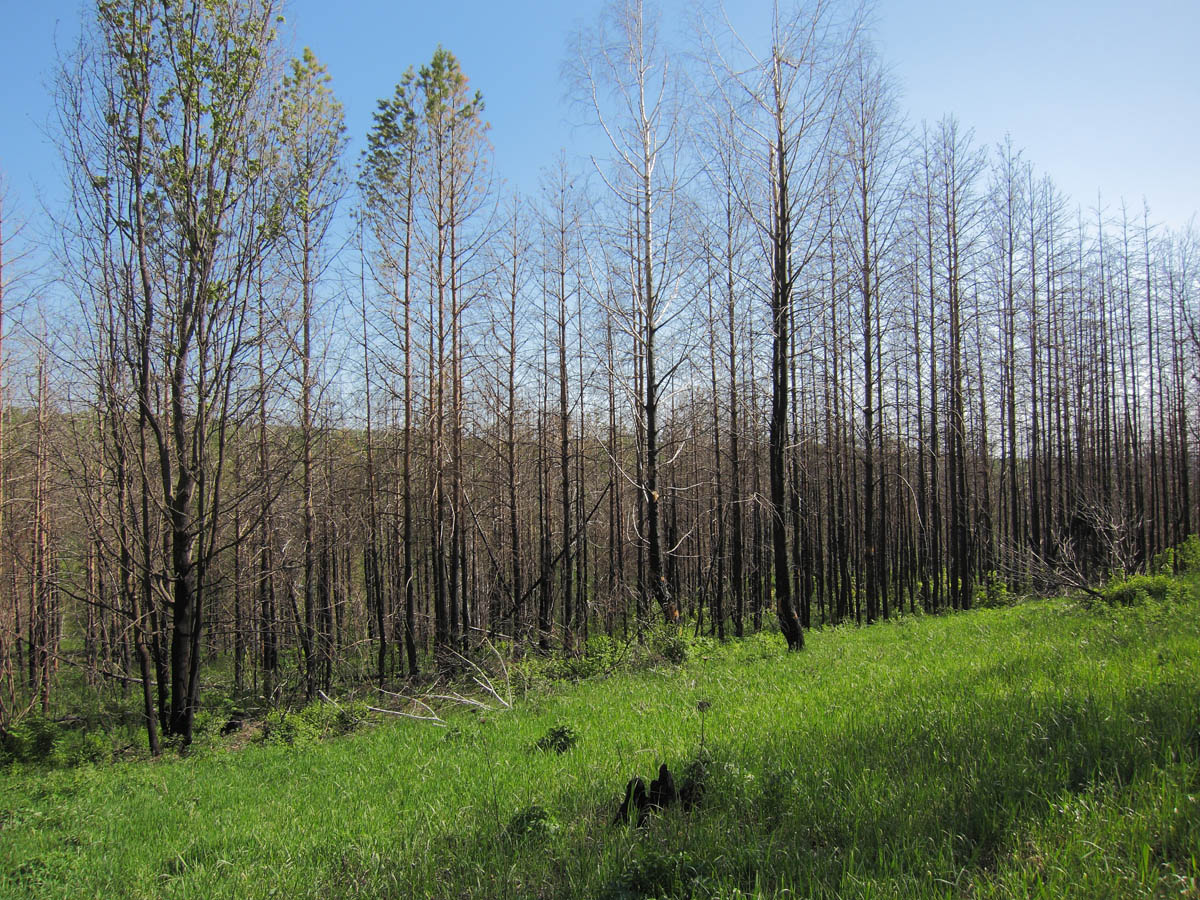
[{"x": 775, "y": 357}]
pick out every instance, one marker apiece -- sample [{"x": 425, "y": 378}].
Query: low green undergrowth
[
  {"x": 1045, "y": 749},
  {"x": 316, "y": 721},
  {"x": 1139, "y": 590},
  {"x": 602, "y": 655},
  {"x": 1181, "y": 560},
  {"x": 41, "y": 740}
]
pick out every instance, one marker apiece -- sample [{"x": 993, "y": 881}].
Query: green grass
[{"x": 1043, "y": 750}]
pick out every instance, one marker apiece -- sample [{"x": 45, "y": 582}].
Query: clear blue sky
[{"x": 1102, "y": 95}]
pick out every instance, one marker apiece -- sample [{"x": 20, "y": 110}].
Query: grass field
[{"x": 1041, "y": 750}]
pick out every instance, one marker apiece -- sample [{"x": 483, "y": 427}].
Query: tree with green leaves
[
  {"x": 424, "y": 181},
  {"x": 454, "y": 190},
  {"x": 387, "y": 184},
  {"x": 311, "y": 141},
  {"x": 163, "y": 114}
]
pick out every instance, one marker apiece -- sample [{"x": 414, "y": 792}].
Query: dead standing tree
[
  {"x": 630, "y": 86},
  {"x": 785, "y": 101},
  {"x": 870, "y": 149},
  {"x": 7, "y": 619}
]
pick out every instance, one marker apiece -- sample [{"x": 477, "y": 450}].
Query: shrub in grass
[
  {"x": 1142, "y": 589},
  {"x": 533, "y": 820},
  {"x": 601, "y": 655},
  {"x": 993, "y": 592},
  {"x": 348, "y": 718},
  {"x": 669, "y": 644},
  {"x": 456, "y": 734},
  {"x": 285, "y": 727},
  {"x": 211, "y": 725},
  {"x": 30, "y": 740},
  {"x": 655, "y": 873},
  {"x": 559, "y": 739},
  {"x": 1181, "y": 560},
  {"x": 694, "y": 780},
  {"x": 77, "y": 747},
  {"x": 314, "y": 722},
  {"x": 6, "y": 754},
  {"x": 575, "y": 668},
  {"x": 1187, "y": 556},
  {"x": 533, "y": 669},
  {"x": 42, "y": 741}
]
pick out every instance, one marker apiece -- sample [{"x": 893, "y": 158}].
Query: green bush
[
  {"x": 78, "y": 747},
  {"x": 602, "y": 655},
  {"x": 1181, "y": 560},
  {"x": 1142, "y": 589},
  {"x": 1187, "y": 556},
  {"x": 669, "y": 643},
  {"x": 42, "y": 741},
  {"x": 599, "y": 656},
  {"x": 655, "y": 873},
  {"x": 559, "y": 739},
  {"x": 335, "y": 720},
  {"x": 208, "y": 726},
  {"x": 35, "y": 739},
  {"x": 993, "y": 592},
  {"x": 314, "y": 722},
  {"x": 533, "y": 820},
  {"x": 285, "y": 727},
  {"x": 575, "y": 668}
]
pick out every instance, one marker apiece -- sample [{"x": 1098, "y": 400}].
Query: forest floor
[{"x": 1047, "y": 749}]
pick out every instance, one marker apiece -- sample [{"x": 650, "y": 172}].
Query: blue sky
[{"x": 1102, "y": 96}]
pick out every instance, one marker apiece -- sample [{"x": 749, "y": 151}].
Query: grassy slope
[{"x": 1035, "y": 751}]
